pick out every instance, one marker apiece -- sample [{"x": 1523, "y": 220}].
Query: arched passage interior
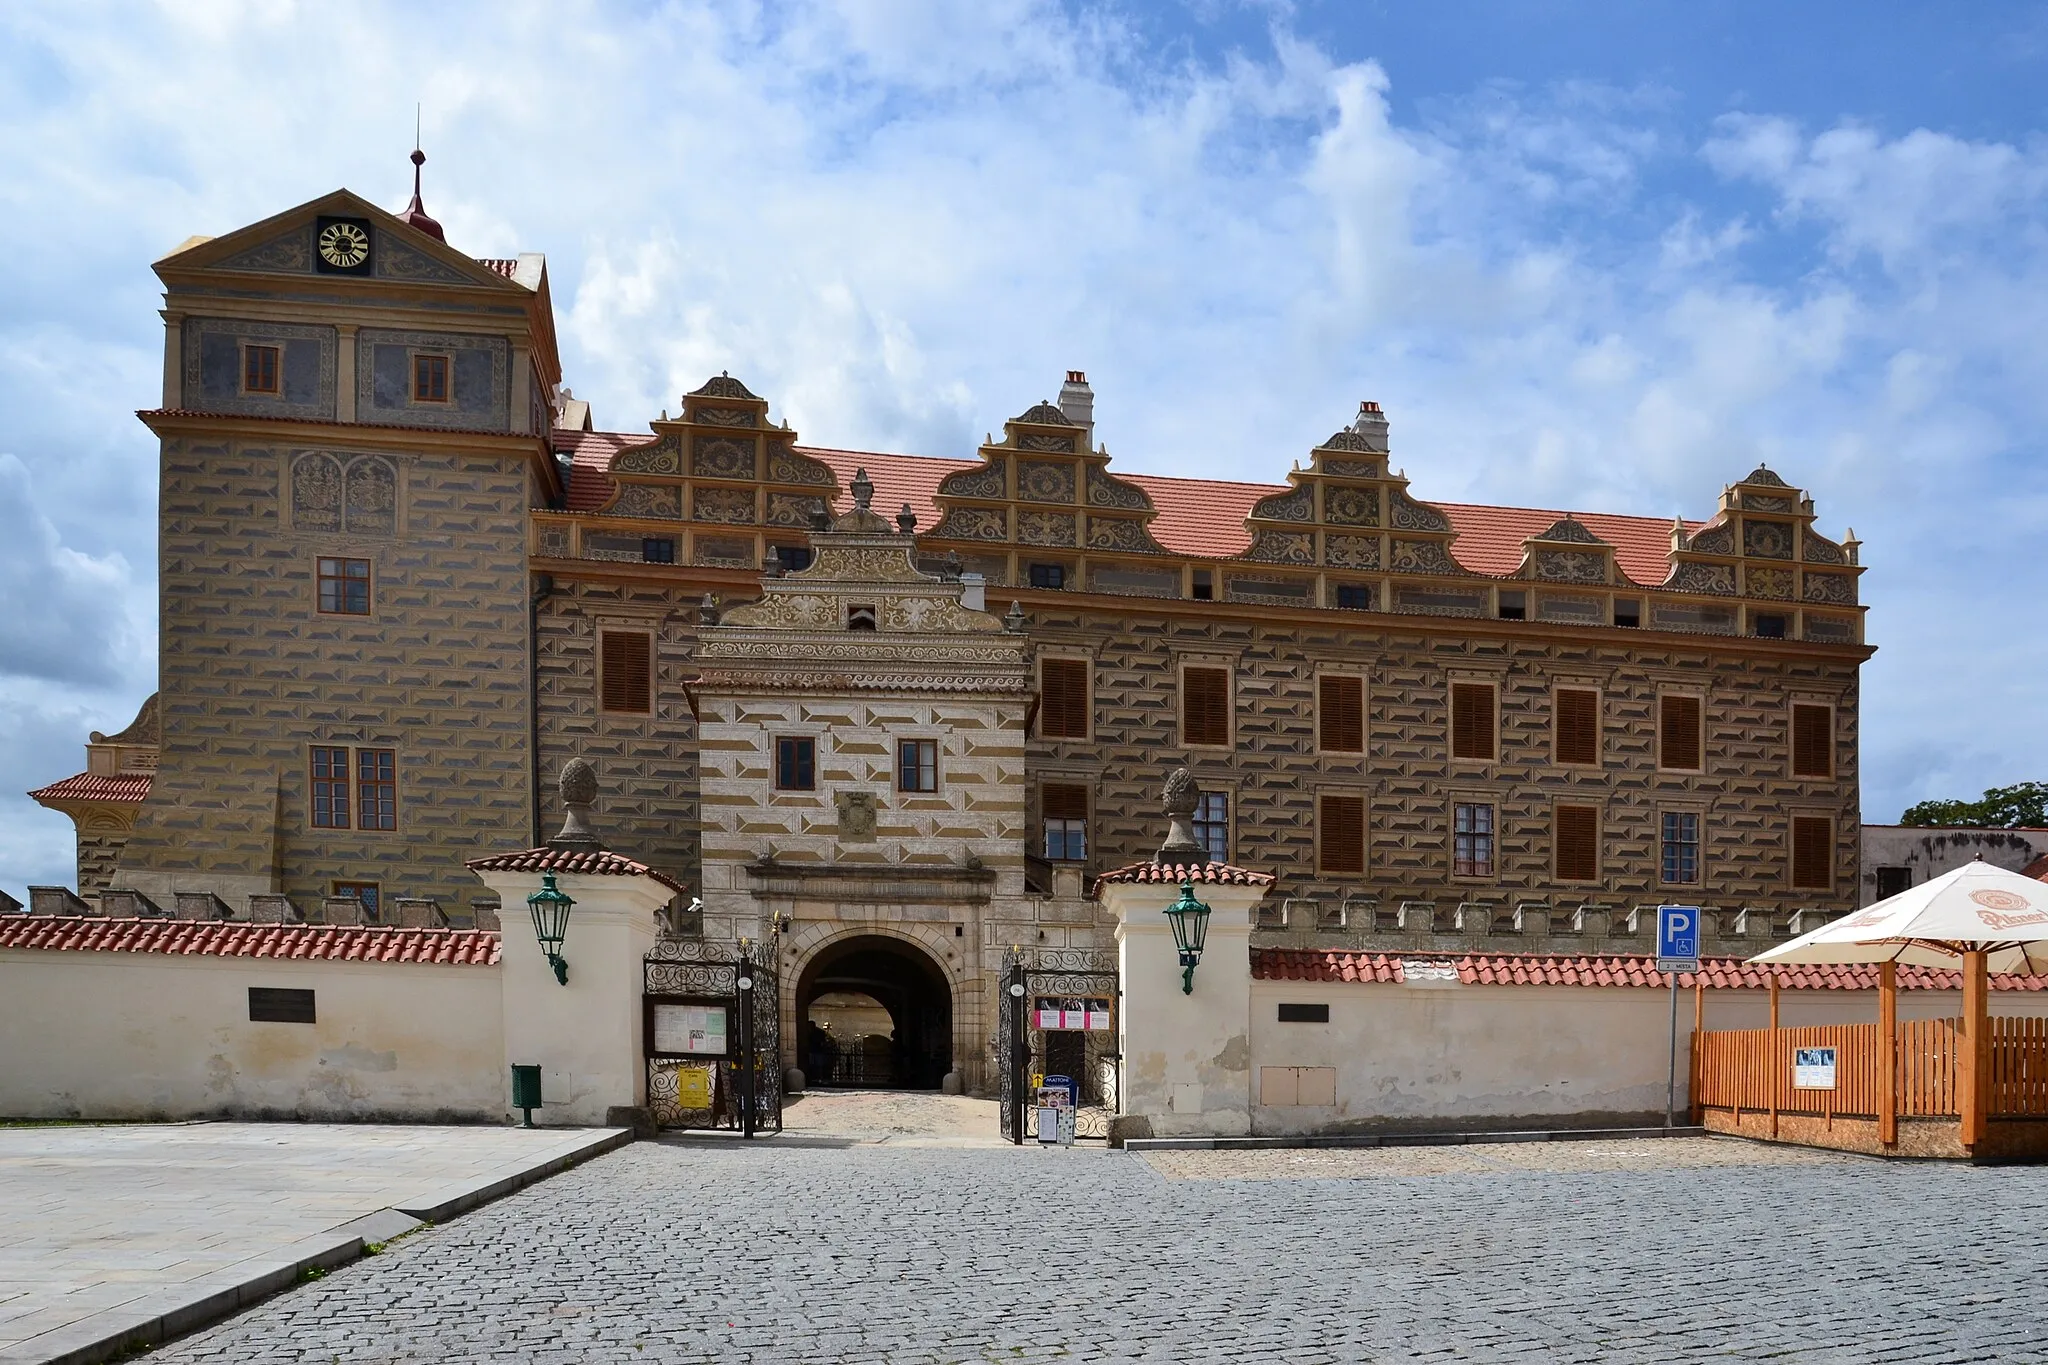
[{"x": 844, "y": 995}]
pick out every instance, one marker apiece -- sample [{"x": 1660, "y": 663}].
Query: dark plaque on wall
[{"x": 341, "y": 246}]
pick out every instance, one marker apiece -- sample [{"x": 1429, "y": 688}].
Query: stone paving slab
[
  {"x": 122, "y": 1234},
  {"x": 1681, "y": 1250}
]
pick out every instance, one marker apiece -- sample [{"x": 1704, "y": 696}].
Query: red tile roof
[
  {"x": 90, "y": 787},
  {"x": 1619, "y": 969},
  {"x": 1173, "y": 874},
  {"x": 2037, "y": 869},
  {"x": 1203, "y": 517},
  {"x": 583, "y": 862},
  {"x": 228, "y": 938}
]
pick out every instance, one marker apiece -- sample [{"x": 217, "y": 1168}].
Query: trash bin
[{"x": 526, "y": 1090}]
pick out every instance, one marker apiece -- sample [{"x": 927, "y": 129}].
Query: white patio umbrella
[{"x": 1976, "y": 908}]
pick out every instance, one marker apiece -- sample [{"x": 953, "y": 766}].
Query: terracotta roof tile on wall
[
  {"x": 1173, "y": 874},
  {"x": 582, "y": 862},
  {"x": 1203, "y": 517},
  {"x": 224, "y": 938},
  {"x": 88, "y": 787},
  {"x": 1537, "y": 969}
]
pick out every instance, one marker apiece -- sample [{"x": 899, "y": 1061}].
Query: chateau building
[{"x": 896, "y": 711}]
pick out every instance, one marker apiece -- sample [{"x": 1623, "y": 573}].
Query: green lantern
[
  {"x": 551, "y": 908},
  {"x": 1190, "y": 920}
]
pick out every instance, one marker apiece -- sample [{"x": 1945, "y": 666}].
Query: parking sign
[{"x": 1678, "y": 938}]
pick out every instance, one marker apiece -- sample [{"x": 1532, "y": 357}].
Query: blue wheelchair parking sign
[{"x": 1678, "y": 931}]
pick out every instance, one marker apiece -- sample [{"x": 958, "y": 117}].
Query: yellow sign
[{"x": 693, "y": 1087}]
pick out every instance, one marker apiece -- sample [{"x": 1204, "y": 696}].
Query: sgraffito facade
[{"x": 402, "y": 578}]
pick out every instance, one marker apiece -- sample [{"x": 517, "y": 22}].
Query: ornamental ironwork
[
  {"x": 740, "y": 1090},
  {"x": 1081, "y": 987}
]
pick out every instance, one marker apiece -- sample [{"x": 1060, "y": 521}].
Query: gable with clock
[{"x": 341, "y": 246}]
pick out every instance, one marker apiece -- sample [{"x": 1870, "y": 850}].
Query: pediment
[{"x": 283, "y": 245}]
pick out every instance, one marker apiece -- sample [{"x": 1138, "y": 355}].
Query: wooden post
[
  {"x": 1888, "y": 1052},
  {"x": 1777, "y": 1066},
  {"x": 1699, "y": 1019},
  {"x": 1974, "y": 1082}
]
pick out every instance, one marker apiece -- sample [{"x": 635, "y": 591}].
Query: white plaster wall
[
  {"x": 104, "y": 1035},
  {"x": 1438, "y": 1056}
]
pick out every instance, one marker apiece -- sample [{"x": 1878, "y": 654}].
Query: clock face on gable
[{"x": 341, "y": 246}]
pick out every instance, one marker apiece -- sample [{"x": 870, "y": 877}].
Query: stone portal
[{"x": 875, "y": 1012}]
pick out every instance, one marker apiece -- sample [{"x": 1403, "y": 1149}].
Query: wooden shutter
[
  {"x": 1577, "y": 843},
  {"x": 1472, "y": 720},
  {"x": 1340, "y": 834},
  {"x": 1205, "y": 706},
  {"x": 1678, "y": 732},
  {"x": 1063, "y": 698},
  {"x": 1813, "y": 852},
  {"x": 1577, "y": 722},
  {"x": 1063, "y": 802},
  {"x": 1813, "y": 741},
  {"x": 1340, "y": 708},
  {"x": 625, "y": 670}
]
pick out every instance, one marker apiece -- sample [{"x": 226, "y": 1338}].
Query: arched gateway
[{"x": 873, "y": 1011}]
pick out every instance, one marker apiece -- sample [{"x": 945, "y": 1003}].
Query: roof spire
[{"x": 415, "y": 214}]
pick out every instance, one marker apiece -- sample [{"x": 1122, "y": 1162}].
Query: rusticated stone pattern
[
  {"x": 253, "y": 675},
  {"x": 646, "y": 765},
  {"x": 1745, "y": 797},
  {"x": 99, "y": 853}
]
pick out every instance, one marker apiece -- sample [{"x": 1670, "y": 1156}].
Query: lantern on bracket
[
  {"x": 1190, "y": 921},
  {"x": 550, "y": 907}
]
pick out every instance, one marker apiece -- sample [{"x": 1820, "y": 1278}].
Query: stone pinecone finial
[
  {"x": 863, "y": 489},
  {"x": 578, "y": 788},
  {"x": 1181, "y": 797}
]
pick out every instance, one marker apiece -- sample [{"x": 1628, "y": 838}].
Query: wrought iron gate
[
  {"x": 1058, "y": 1013},
  {"x": 736, "y": 1083}
]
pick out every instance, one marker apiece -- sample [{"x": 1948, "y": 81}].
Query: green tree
[{"x": 2022, "y": 806}]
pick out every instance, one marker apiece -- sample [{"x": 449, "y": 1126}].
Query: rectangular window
[
  {"x": 1354, "y": 597},
  {"x": 1304, "y": 1014},
  {"x": 430, "y": 379},
  {"x": 793, "y": 558},
  {"x": 345, "y": 587},
  {"x": 1340, "y": 713},
  {"x": 1205, "y": 707},
  {"x": 1064, "y": 809},
  {"x": 1576, "y": 737},
  {"x": 625, "y": 672},
  {"x": 277, "y": 1005},
  {"x": 1892, "y": 881},
  {"x": 1769, "y": 627},
  {"x": 796, "y": 764},
  {"x": 1063, "y": 698},
  {"x": 1628, "y": 612},
  {"x": 1212, "y": 825},
  {"x": 1340, "y": 834},
  {"x": 365, "y": 893},
  {"x": 1813, "y": 740},
  {"x": 1048, "y": 575},
  {"x": 259, "y": 369},
  {"x": 1813, "y": 853},
  {"x": 1472, "y": 720},
  {"x": 1514, "y": 606},
  {"x": 1576, "y": 843},
  {"x": 376, "y": 789},
  {"x": 1678, "y": 733},
  {"x": 1472, "y": 840},
  {"x": 1204, "y": 585},
  {"x": 917, "y": 765},
  {"x": 1681, "y": 862},
  {"x": 330, "y": 788},
  {"x": 658, "y": 550}
]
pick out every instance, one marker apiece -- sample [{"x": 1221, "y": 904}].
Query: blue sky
[{"x": 1588, "y": 255}]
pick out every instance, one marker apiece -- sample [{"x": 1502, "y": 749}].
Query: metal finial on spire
[{"x": 415, "y": 214}]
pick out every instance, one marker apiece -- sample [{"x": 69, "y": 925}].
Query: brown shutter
[
  {"x": 1578, "y": 725},
  {"x": 1813, "y": 852},
  {"x": 1341, "y": 711},
  {"x": 1813, "y": 741},
  {"x": 1063, "y": 802},
  {"x": 1340, "y": 834},
  {"x": 1472, "y": 720},
  {"x": 1205, "y": 706},
  {"x": 626, "y": 670},
  {"x": 1678, "y": 732},
  {"x": 1063, "y": 698},
  {"x": 1577, "y": 843}
]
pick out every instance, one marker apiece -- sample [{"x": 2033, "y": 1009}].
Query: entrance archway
[{"x": 874, "y": 1012}]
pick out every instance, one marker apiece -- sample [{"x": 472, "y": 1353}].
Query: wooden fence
[{"x": 1751, "y": 1069}]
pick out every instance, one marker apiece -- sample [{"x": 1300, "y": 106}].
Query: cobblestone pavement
[{"x": 1640, "y": 1251}]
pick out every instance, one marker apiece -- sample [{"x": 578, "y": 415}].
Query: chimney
[
  {"x": 1372, "y": 425},
  {"x": 1077, "y": 405},
  {"x": 973, "y": 592}
]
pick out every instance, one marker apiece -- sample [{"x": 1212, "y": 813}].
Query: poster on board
[
  {"x": 689, "y": 1030},
  {"x": 1813, "y": 1068}
]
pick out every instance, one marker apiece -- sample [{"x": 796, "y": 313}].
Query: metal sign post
[{"x": 1678, "y": 950}]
